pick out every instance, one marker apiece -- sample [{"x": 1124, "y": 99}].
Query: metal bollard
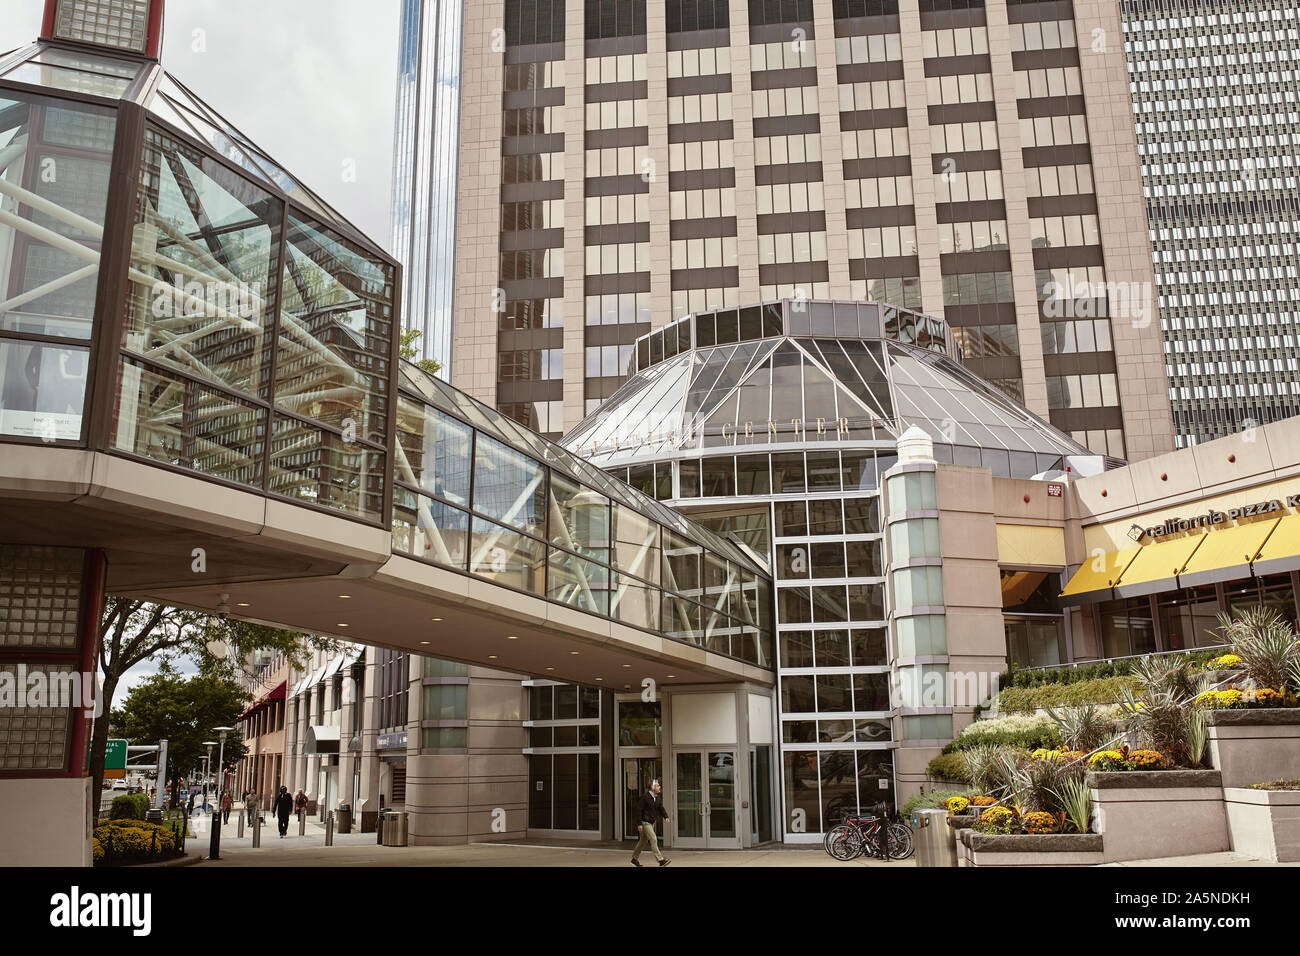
[
  {"x": 302, "y": 823},
  {"x": 257, "y": 828},
  {"x": 329, "y": 828},
  {"x": 242, "y": 815}
]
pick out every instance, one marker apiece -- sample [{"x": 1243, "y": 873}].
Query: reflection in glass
[
  {"x": 802, "y": 801},
  {"x": 50, "y": 243},
  {"x": 203, "y": 270},
  {"x": 336, "y": 326},
  {"x": 690, "y": 797},
  {"x": 507, "y": 557},
  {"x": 722, "y": 794},
  {"x": 508, "y": 486},
  {"x": 579, "y": 518},
  {"x": 578, "y": 583},
  {"x": 428, "y": 529},
  {"x": 168, "y": 418},
  {"x": 433, "y": 451},
  {"x": 319, "y": 466}
]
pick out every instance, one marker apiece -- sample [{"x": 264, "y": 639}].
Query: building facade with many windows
[
  {"x": 1215, "y": 94},
  {"x": 623, "y": 164}
]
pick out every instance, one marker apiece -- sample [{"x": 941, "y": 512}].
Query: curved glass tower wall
[
  {"x": 425, "y": 141},
  {"x": 775, "y": 426}
]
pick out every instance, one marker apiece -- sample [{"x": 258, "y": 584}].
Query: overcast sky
[{"x": 310, "y": 81}]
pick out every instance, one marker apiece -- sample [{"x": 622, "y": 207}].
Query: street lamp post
[
  {"x": 207, "y": 769},
  {"x": 214, "y": 847}
]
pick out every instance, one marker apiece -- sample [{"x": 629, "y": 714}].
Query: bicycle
[{"x": 883, "y": 838}]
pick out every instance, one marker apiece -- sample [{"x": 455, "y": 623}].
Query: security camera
[{"x": 223, "y": 609}]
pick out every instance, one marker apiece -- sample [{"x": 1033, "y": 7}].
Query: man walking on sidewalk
[
  {"x": 652, "y": 811},
  {"x": 283, "y": 810}
]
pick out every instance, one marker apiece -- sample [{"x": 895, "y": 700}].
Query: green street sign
[{"x": 114, "y": 759}]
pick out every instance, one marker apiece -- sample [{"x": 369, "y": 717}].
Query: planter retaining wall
[
  {"x": 1254, "y": 746},
  {"x": 1022, "y": 849},
  {"x": 1264, "y": 824},
  {"x": 1151, "y": 814}
]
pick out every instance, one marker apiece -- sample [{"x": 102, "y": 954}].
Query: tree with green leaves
[
  {"x": 408, "y": 348},
  {"x": 183, "y": 709},
  {"x": 134, "y": 631}
]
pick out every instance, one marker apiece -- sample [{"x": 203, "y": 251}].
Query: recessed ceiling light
[
  {"x": 492, "y": 657},
  {"x": 672, "y": 675},
  {"x": 600, "y": 678},
  {"x": 424, "y": 642},
  {"x": 550, "y": 668},
  {"x": 345, "y": 597},
  {"x": 512, "y": 637},
  {"x": 627, "y": 665},
  {"x": 242, "y": 604},
  {"x": 435, "y": 619},
  {"x": 343, "y": 625},
  {"x": 574, "y": 653}
]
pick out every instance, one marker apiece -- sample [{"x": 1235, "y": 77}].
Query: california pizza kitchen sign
[{"x": 1212, "y": 520}]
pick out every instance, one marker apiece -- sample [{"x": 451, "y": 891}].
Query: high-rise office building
[
  {"x": 424, "y": 171},
  {"x": 625, "y": 163},
  {"x": 1215, "y": 90}
]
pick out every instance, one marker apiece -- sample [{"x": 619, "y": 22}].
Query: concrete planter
[
  {"x": 1028, "y": 849},
  {"x": 1252, "y": 746},
  {"x": 1264, "y": 824},
  {"x": 1150, "y": 814}
]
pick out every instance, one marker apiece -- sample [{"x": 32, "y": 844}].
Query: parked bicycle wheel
[
  {"x": 844, "y": 843},
  {"x": 901, "y": 844}
]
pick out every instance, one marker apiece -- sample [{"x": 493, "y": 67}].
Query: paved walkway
[{"x": 360, "y": 849}]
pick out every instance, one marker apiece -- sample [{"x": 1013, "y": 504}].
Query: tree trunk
[{"x": 99, "y": 742}]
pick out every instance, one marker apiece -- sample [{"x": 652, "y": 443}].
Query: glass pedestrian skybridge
[{"x": 172, "y": 297}]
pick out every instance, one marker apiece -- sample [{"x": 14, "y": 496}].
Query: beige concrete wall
[
  {"x": 478, "y": 217},
  {"x": 1121, "y": 210},
  {"x": 45, "y": 822}
]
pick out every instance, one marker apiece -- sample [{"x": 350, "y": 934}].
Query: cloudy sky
[{"x": 310, "y": 81}]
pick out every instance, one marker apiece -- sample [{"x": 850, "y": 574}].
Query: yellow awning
[
  {"x": 1281, "y": 552},
  {"x": 1156, "y": 566},
  {"x": 1226, "y": 555},
  {"x": 1097, "y": 575},
  {"x": 1031, "y": 544}
]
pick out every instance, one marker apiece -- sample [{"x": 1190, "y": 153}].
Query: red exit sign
[{"x": 1055, "y": 491}]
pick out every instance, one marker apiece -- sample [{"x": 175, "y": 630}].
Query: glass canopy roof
[
  {"x": 806, "y": 389},
  {"x": 71, "y": 69}
]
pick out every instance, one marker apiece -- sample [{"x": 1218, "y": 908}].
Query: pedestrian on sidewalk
[
  {"x": 227, "y": 804},
  {"x": 652, "y": 811},
  {"x": 250, "y": 805},
  {"x": 300, "y": 803},
  {"x": 283, "y": 810}
]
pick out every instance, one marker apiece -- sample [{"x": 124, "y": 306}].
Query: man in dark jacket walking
[
  {"x": 284, "y": 810},
  {"x": 652, "y": 811}
]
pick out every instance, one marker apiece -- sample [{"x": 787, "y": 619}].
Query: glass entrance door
[
  {"x": 638, "y": 774},
  {"x": 706, "y": 799}
]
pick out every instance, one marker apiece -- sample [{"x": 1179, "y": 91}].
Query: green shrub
[
  {"x": 934, "y": 800},
  {"x": 1101, "y": 690},
  {"x": 126, "y": 807},
  {"x": 949, "y": 766},
  {"x": 1087, "y": 672},
  {"x": 1277, "y": 785},
  {"x": 1028, "y": 732}
]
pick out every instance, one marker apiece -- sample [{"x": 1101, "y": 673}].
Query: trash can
[
  {"x": 936, "y": 843},
  {"x": 343, "y": 818},
  {"x": 154, "y": 815},
  {"x": 394, "y": 828},
  {"x": 379, "y": 827}
]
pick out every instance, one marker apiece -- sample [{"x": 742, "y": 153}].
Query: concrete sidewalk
[{"x": 360, "y": 849}]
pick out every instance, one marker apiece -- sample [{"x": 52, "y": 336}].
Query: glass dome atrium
[{"x": 799, "y": 373}]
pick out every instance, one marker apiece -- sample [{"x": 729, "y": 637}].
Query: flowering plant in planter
[
  {"x": 1042, "y": 822},
  {"x": 998, "y": 820},
  {"x": 956, "y": 805},
  {"x": 983, "y": 800},
  {"x": 1245, "y": 698},
  {"x": 1107, "y": 760},
  {"x": 1225, "y": 662},
  {"x": 1117, "y": 761}
]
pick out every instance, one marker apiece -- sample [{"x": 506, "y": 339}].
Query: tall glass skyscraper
[
  {"x": 425, "y": 146},
  {"x": 1215, "y": 90}
]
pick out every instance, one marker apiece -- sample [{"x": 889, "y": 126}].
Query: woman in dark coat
[{"x": 283, "y": 810}]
